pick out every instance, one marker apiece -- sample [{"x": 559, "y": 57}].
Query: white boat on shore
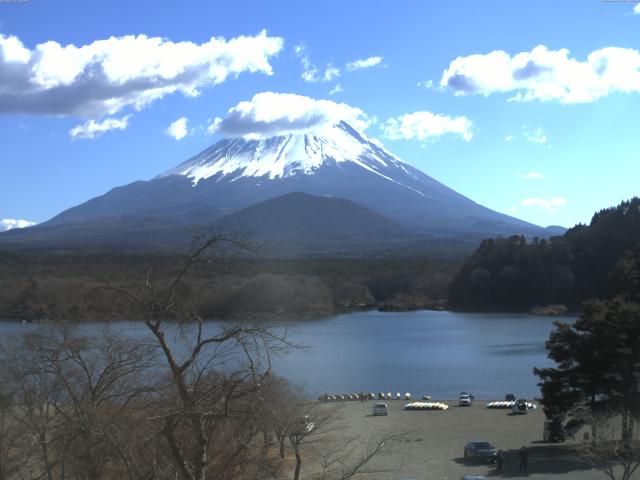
[{"x": 426, "y": 406}]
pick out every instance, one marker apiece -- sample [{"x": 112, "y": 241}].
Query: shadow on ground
[
  {"x": 543, "y": 460},
  {"x": 469, "y": 463}
]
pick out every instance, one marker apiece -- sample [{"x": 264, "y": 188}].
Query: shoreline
[{"x": 310, "y": 315}]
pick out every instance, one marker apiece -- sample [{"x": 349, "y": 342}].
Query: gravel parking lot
[{"x": 435, "y": 440}]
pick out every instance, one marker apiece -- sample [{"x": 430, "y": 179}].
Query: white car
[
  {"x": 380, "y": 409},
  {"x": 465, "y": 400}
]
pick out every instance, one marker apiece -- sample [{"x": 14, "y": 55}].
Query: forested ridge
[
  {"x": 515, "y": 274},
  {"x": 70, "y": 287}
]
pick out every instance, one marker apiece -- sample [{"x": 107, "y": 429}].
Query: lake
[{"x": 424, "y": 352}]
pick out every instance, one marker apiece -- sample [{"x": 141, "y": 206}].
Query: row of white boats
[
  {"x": 368, "y": 396},
  {"x": 424, "y": 405},
  {"x": 510, "y": 404}
]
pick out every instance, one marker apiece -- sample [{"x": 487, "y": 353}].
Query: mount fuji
[{"x": 347, "y": 185}]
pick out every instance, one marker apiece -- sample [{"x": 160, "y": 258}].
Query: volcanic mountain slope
[{"x": 235, "y": 173}]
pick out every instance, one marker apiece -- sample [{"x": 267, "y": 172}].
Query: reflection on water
[{"x": 425, "y": 353}]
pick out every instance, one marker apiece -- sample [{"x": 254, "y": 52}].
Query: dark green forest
[{"x": 516, "y": 274}]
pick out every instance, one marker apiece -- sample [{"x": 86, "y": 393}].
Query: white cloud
[
  {"x": 178, "y": 129},
  {"x": 545, "y": 75},
  {"x": 509, "y": 138},
  {"x": 336, "y": 89},
  {"x": 11, "y": 223},
  {"x": 310, "y": 72},
  {"x": 531, "y": 176},
  {"x": 427, "y": 125},
  {"x": 364, "y": 63},
  {"x": 214, "y": 125},
  {"x": 426, "y": 84},
  {"x": 105, "y": 76},
  {"x": 549, "y": 204},
  {"x": 93, "y": 129},
  {"x": 636, "y": 9},
  {"x": 268, "y": 114},
  {"x": 535, "y": 135},
  {"x": 330, "y": 73}
]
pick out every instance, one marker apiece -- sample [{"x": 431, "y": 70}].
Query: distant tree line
[
  {"x": 66, "y": 286},
  {"x": 516, "y": 274}
]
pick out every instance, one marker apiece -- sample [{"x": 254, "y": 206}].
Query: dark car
[{"x": 480, "y": 452}]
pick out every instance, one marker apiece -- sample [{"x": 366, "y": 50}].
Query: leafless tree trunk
[{"x": 209, "y": 371}]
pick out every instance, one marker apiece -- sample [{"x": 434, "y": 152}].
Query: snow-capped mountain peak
[
  {"x": 335, "y": 162},
  {"x": 289, "y": 155}
]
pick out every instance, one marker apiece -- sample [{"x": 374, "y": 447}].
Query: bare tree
[
  {"x": 13, "y": 454},
  {"x": 614, "y": 449},
  {"x": 317, "y": 429},
  {"x": 309, "y": 424},
  {"x": 72, "y": 393},
  {"x": 281, "y": 403},
  {"x": 191, "y": 400},
  {"x": 215, "y": 375},
  {"x": 346, "y": 457}
]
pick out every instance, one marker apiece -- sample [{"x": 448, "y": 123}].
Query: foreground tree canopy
[{"x": 598, "y": 361}]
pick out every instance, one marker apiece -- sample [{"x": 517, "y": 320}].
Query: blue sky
[{"x": 547, "y": 135}]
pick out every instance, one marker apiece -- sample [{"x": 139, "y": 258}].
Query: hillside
[{"x": 516, "y": 274}]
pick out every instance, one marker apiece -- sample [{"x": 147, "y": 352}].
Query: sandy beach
[{"x": 433, "y": 447}]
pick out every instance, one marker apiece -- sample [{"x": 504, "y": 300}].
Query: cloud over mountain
[
  {"x": 270, "y": 114},
  {"x": 105, "y": 76},
  {"x": 544, "y": 74}
]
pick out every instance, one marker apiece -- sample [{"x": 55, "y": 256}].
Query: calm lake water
[{"x": 425, "y": 353}]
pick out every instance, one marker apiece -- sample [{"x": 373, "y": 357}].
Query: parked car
[
  {"x": 480, "y": 451},
  {"x": 520, "y": 407},
  {"x": 473, "y": 477},
  {"x": 465, "y": 400},
  {"x": 380, "y": 409}
]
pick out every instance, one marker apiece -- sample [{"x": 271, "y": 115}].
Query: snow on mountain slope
[
  {"x": 291, "y": 155},
  {"x": 334, "y": 162}
]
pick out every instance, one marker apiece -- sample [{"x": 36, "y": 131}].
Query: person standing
[
  {"x": 499, "y": 461},
  {"x": 523, "y": 455}
]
